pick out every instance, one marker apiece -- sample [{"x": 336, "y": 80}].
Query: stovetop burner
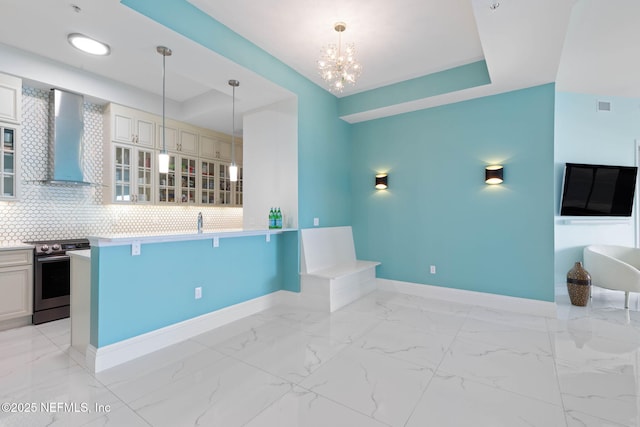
[{"x": 58, "y": 247}]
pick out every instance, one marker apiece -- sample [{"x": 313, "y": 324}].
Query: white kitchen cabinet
[
  {"x": 238, "y": 189},
  {"x": 199, "y": 161},
  {"x": 171, "y": 137},
  {"x": 188, "y": 142},
  {"x": 180, "y": 138},
  {"x": 188, "y": 179},
  {"x": 218, "y": 147},
  {"x": 131, "y": 126},
  {"x": 208, "y": 179},
  {"x": 10, "y": 99},
  {"x": 10, "y": 117},
  {"x": 9, "y": 163},
  {"x": 16, "y": 283},
  {"x": 215, "y": 158},
  {"x": 180, "y": 184},
  {"x": 208, "y": 147},
  {"x": 167, "y": 183},
  {"x": 132, "y": 175},
  {"x": 224, "y": 185},
  {"x": 215, "y": 186}
]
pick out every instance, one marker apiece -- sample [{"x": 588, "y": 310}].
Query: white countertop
[
  {"x": 159, "y": 237},
  {"x": 14, "y": 246}
]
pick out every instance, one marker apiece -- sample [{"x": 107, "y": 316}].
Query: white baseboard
[
  {"x": 493, "y": 301},
  {"x": 15, "y": 323},
  {"x": 99, "y": 359}
]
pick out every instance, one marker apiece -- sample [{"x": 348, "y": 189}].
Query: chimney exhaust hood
[{"x": 66, "y": 132}]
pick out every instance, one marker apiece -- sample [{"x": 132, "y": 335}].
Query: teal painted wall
[
  {"x": 438, "y": 210},
  {"x": 137, "y": 294},
  {"x": 323, "y": 139},
  {"x": 584, "y": 135},
  {"x": 451, "y": 80}
]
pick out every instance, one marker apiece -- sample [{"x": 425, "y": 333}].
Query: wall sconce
[
  {"x": 382, "y": 181},
  {"x": 494, "y": 174}
]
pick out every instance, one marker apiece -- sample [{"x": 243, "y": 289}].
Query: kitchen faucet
[{"x": 199, "y": 222}]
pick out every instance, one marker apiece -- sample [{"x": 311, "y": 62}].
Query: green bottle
[
  {"x": 278, "y": 219},
  {"x": 272, "y": 218}
]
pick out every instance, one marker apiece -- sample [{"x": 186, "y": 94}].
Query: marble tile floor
[{"x": 385, "y": 360}]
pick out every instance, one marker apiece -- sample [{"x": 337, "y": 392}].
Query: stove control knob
[
  {"x": 44, "y": 248},
  {"x": 55, "y": 247}
]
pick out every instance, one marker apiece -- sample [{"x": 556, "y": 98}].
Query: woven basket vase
[{"x": 579, "y": 285}]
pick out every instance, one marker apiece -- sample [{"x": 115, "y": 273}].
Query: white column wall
[{"x": 270, "y": 162}]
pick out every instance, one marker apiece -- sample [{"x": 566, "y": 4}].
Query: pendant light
[
  {"x": 163, "y": 158},
  {"x": 233, "y": 169}
]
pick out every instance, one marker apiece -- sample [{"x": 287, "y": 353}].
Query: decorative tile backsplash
[{"x": 46, "y": 212}]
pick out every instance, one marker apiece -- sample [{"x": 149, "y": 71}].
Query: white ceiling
[{"x": 590, "y": 48}]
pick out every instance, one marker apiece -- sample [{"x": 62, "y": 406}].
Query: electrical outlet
[
  {"x": 135, "y": 248},
  {"x": 432, "y": 269},
  {"x": 316, "y": 222},
  {"x": 198, "y": 294}
]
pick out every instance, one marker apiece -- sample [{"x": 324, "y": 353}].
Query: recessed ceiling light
[{"x": 88, "y": 45}]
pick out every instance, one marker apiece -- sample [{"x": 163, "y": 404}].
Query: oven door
[{"x": 51, "y": 280}]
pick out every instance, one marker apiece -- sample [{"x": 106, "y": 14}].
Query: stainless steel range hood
[{"x": 66, "y": 132}]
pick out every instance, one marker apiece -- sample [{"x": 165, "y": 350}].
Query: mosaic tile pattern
[{"x": 46, "y": 212}]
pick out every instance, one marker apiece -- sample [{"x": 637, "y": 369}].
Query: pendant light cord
[
  {"x": 164, "y": 146},
  {"x": 233, "y": 127}
]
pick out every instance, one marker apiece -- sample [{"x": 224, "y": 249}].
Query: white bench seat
[
  {"x": 331, "y": 276},
  {"x": 338, "y": 271}
]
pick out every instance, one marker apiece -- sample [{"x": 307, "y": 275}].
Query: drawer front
[{"x": 17, "y": 257}]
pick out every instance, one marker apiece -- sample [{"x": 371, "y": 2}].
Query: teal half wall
[
  {"x": 133, "y": 295},
  {"x": 323, "y": 139},
  {"x": 438, "y": 209}
]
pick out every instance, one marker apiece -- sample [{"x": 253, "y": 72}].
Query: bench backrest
[{"x": 326, "y": 247}]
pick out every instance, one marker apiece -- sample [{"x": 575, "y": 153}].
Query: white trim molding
[
  {"x": 493, "y": 301},
  {"x": 101, "y": 358}
]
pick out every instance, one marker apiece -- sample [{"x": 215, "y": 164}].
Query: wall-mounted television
[{"x": 598, "y": 190}]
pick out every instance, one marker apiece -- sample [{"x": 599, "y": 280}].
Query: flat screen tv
[{"x": 598, "y": 190}]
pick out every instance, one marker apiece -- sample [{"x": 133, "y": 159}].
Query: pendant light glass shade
[
  {"x": 233, "y": 169},
  {"x": 163, "y": 162},
  {"x": 163, "y": 157}
]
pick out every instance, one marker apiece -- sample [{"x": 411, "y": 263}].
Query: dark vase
[{"x": 579, "y": 285}]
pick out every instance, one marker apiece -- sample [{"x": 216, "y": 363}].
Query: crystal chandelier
[{"x": 338, "y": 67}]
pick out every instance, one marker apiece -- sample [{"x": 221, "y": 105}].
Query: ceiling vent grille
[{"x": 604, "y": 106}]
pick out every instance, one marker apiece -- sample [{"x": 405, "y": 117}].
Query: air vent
[{"x": 604, "y": 106}]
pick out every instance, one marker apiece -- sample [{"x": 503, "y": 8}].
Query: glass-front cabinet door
[
  {"x": 122, "y": 174},
  {"x": 238, "y": 188},
  {"x": 167, "y": 183},
  {"x": 224, "y": 184},
  {"x": 8, "y": 151},
  {"x": 145, "y": 174},
  {"x": 208, "y": 182},
  {"x": 188, "y": 180},
  {"x": 132, "y": 179}
]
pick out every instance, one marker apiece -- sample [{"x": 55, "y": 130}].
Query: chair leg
[{"x": 626, "y": 299}]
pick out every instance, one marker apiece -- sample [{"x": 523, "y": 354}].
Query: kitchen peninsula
[{"x": 152, "y": 290}]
